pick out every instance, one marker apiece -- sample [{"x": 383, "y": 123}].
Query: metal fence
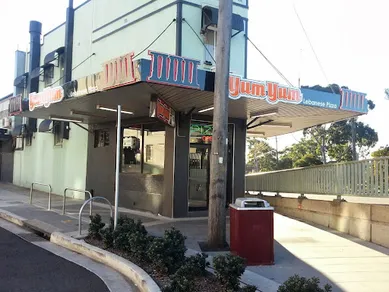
[{"x": 359, "y": 178}]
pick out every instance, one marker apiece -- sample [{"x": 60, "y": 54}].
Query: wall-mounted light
[
  {"x": 206, "y": 109},
  {"x": 278, "y": 125},
  {"x": 256, "y": 134},
  {"x": 109, "y": 109},
  {"x": 264, "y": 114},
  {"x": 81, "y": 113},
  {"x": 64, "y": 119}
]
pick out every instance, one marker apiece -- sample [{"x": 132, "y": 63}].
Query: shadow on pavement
[
  {"x": 287, "y": 265},
  {"x": 356, "y": 240}
]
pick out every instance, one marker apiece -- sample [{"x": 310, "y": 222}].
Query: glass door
[{"x": 199, "y": 177}]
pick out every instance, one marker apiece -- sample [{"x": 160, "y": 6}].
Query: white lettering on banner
[
  {"x": 118, "y": 71},
  {"x": 323, "y": 104},
  {"x": 45, "y": 98}
]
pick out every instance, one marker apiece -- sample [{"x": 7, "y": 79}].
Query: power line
[
  {"x": 74, "y": 68},
  {"x": 271, "y": 64},
  {"x": 174, "y": 20},
  {"x": 199, "y": 39},
  {"x": 313, "y": 50},
  {"x": 134, "y": 57}
]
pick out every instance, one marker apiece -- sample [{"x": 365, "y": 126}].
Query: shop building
[{"x": 156, "y": 60}]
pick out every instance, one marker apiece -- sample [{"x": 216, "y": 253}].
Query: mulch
[{"x": 201, "y": 284}]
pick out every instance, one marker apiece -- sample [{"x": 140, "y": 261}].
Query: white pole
[{"x": 118, "y": 151}]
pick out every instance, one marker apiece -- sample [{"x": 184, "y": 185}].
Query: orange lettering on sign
[
  {"x": 245, "y": 87},
  {"x": 234, "y": 87},
  {"x": 119, "y": 71},
  {"x": 295, "y": 95},
  {"x": 258, "y": 90},
  {"x": 271, "y": 91},
  {"x": 45, "y": 98},
  {"x": 283, "y": 93}
]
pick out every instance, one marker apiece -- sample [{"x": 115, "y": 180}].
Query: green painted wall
[{"x": 60, "y": 166}]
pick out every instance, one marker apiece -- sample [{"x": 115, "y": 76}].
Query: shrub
[
  {"x": 183, "y": 279},
  {"x": 248, "y": 288},
  {"x": 196, "y": 265},
  {"x": 95, "y": 227},
  {"x": 229, "y": 269},
  {"x": 179, "y": 285},
  {"x": 167, "y": 254},
  {"x": 138, "y": 243},
  {"x": 301, "y": 284},
  {"x": 126, "y": 227},
  {"x": 107, "y": 235}
]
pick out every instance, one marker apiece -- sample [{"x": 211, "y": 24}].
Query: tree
[
  {"x": 337, "y": 140},
  {"x": 261, "y": 156},
  {"x": 340, "y": 140},
  {"x": 382, "y": 152},
  {"x": 307, "y": 160},
  {"x": 303, "y": 153},
  {"x": 320, "y": 135}
]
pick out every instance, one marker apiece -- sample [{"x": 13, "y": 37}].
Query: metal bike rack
[
  {"x": 83, "y": 206},
  {"x": 40, "y": 184},
  {"x": 79, "y": 191}
]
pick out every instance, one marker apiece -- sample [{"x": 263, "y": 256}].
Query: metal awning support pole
[{"x": 118, "y": 151}]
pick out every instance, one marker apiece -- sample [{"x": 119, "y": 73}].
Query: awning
[
  {"x": 46, "y": 66},
  {"x": 21, "y": 81},
  {"x": 45, "y": 126},
  {"x": 210, "y": 16},
  {"x": 35, "y": 73},
  {"x": 50, "y": 57}
]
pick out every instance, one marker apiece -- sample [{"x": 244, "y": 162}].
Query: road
[{"x": 26, "y": 267}]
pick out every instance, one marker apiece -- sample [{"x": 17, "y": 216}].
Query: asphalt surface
[{"x": 26, "y": 267}]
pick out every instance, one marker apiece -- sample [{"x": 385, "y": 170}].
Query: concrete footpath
[{"x": 347, "y": 263}]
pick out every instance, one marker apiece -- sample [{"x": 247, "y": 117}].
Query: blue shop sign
[{"x": 320, "y": 99}]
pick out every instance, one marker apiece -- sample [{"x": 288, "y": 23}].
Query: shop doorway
[{"x": 199, "y": 165}]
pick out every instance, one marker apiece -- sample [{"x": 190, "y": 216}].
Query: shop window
[
  {"x": 101, "y": 138},
  {"x": 48, "y": 75},
  {"x": 149, "y": 152},
  {"x": 58, "y": 133},
  {"x": 210, "y": 40},
  {"x": 153, "y": 154}
]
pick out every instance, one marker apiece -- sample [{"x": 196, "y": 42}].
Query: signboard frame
[{"x": 163, "y": 112}]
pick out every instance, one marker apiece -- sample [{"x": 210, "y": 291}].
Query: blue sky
[{"x": 348, "y": 36}]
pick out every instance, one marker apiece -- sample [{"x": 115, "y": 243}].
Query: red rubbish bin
[{"x": 252, "y": 231}]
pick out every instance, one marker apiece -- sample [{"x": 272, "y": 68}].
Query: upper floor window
[
  {"x": 57, "y": 131},
  {"x": 48, "y": 75},
  {"x": 101, "y": 138},
  {"x": 210, "y": 40}
]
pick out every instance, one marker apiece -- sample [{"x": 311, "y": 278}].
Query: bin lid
[{"x": 251, "y": 203}]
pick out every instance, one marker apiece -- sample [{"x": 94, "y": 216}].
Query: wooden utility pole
[{"x": 218, "y": 175}]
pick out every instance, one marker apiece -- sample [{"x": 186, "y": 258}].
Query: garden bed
[
  {"x": 163, "y": 258},
  {"x": 208, "y": 283}
]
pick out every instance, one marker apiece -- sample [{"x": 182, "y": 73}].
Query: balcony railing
[{"x": 359, "y": 178}]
